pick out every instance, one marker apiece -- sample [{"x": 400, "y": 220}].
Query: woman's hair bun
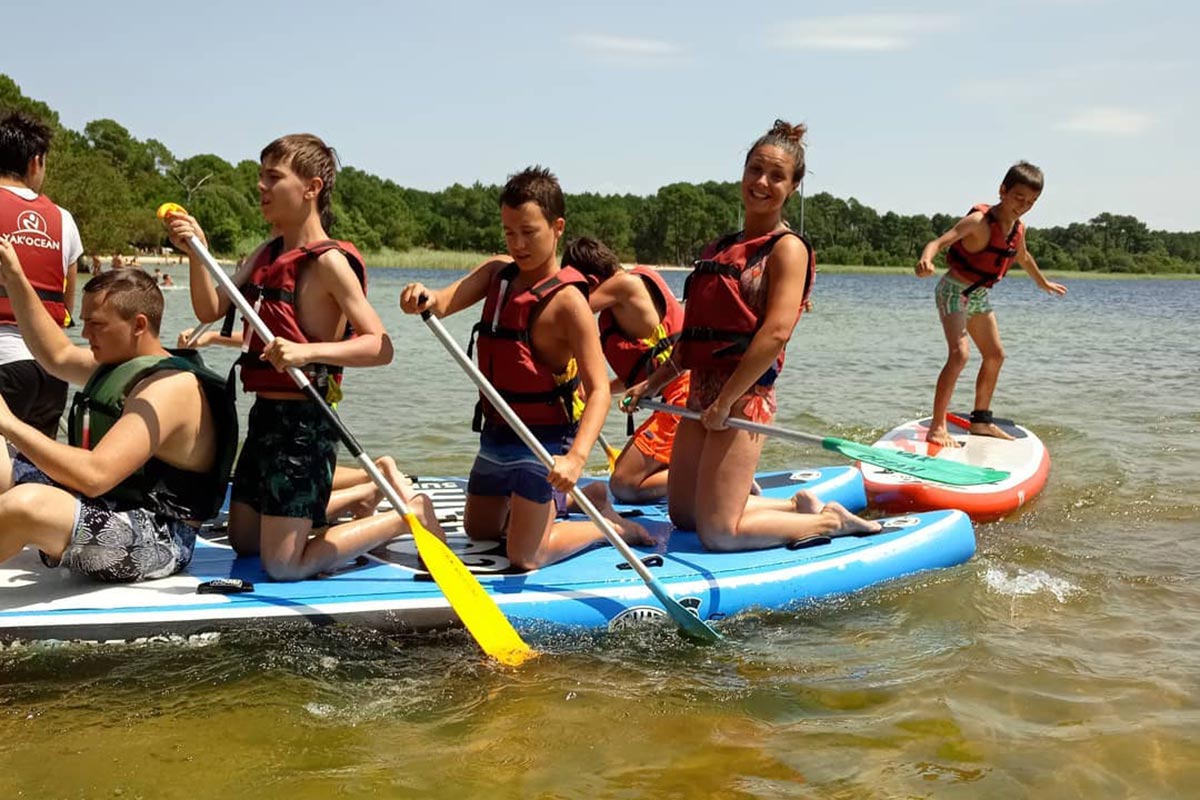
[{"x": 786, "y": 130}]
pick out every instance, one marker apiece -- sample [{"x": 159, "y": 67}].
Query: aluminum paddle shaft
[{"x": 688, "y": 622}]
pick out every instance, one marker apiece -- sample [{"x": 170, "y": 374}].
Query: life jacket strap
[{"x": 45, "y": 295}]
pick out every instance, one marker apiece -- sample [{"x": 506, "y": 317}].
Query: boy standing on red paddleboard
[{"x": 983, "y": 245}]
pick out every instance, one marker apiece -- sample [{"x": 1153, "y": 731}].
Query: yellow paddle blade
[
  {"x": 169, "y": 208},
  {"x": 612, "y": 454},
  {"x": 477, "y": 610}
]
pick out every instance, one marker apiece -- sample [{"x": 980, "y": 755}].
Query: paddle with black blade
[
  {"x": 688, "y": 622},
  {"x": 924, "y": 467},
  {"x": 477, "y": 610}
]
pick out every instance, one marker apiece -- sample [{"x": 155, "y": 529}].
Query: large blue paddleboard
[{"x": 388, "y": 590}]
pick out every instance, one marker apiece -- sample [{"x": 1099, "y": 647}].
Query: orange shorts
[{"x": 655, "y": 437}]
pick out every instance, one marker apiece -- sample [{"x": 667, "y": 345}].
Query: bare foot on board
[
  {"x": 990, "y": 429},
  {"x": 849, "y": 523},
  {"x": 942, "y": 438},
  {"x": 422, "y": 508},
  {"x": 420, "y": 504},
  {"x": 628, "y": 530},
  {"x": 805, "y": 502}
]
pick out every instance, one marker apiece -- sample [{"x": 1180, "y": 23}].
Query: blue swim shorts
[{"x": 505, "y": 466}]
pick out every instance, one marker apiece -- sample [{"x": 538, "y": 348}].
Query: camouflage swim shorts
[{"x": 286, "y": 465}]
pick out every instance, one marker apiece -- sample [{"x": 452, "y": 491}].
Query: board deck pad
[
  {"x": 388, "y": 589},
  {"x": 1025, "y": 458}
]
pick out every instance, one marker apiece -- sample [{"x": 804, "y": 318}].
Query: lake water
[{"x": 1062, "y": 661}]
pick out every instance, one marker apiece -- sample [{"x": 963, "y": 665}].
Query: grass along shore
[
  {"x": 460, "y": 261},
  {"x": 422, "y": 258}
]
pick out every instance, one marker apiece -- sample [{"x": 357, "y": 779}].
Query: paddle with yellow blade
[
  {"x": 611, "y": 452},
  {"x": 688, "y": 623},
  {"x": 477, "y": 610},
  {"x": 926, "y": 467}
]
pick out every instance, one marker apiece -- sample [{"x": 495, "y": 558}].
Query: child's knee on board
[
  {"x": 682, "y": 518},
  {"x": 280, "y": 569},
  {"x": 523, "y": 555},
  {"x": 718, "y": 535},
  {"x": 624, "y": 489}
]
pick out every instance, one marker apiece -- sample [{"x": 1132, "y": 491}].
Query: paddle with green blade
[
  {"x": 689, "y": 623},
  {"x": 477, "y": 610},
  {"x": 924, "y": 467}
]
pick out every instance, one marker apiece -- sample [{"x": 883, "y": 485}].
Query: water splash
[{"x": 1026, "y": 583}]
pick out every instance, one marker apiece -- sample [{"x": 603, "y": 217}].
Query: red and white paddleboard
[{"x": 1025, "y": 458}]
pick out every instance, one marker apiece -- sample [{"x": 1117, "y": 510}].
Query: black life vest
[{"x": 156, "y": 485}]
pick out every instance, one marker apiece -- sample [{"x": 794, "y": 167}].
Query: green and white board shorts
[{"x": 950, "y": 298}]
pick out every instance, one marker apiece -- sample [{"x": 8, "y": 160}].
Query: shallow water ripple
[{"x": 1062, "y": 661}]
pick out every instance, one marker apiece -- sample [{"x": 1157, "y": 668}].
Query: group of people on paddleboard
[{"x": 152, "y": 436}]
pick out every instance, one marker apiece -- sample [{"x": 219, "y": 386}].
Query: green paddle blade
[{"x": 923, "y": 467}]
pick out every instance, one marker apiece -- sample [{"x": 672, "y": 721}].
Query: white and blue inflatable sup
[{"x": 388, "y": 589}]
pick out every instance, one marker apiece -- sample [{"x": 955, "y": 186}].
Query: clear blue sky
[{"x": 914, "y": 108}]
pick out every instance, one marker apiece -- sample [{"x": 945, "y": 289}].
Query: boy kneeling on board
[
  {"x": 538, "y": 342},
  {"x": 310, "y": 291},
  {"x": 640, "y": 320}
]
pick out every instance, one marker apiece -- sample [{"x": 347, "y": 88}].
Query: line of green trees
[{"x": 112, "y": 182}]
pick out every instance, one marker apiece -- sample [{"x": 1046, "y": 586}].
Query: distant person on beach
[
  {"x": 640, "y": 320},
  {"x": 151, "y": 438},
  {"x": 158, "y": 275},
  {"x": 744, "y": 298},
  {"x": 311, "y": 293},
  {"x": 46, "y": 242},
  {"x": 983, "y": 245},
  {"x": 538, "y": 343},
  {"x": 118, "y": 261},
  {"x": 167, "y": 280}
]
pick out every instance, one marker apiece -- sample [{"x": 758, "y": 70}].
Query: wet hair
[
  {"x": 309, "y": 157},
  {"x": 1023, "y": 174},
  {"x": 22, "y": 137},
  {"x": 787, "y": 137},
  {"x": 535, "y": 185},
  {"x": 591, "y": 257},
  {"x": 130, "y": 292}
]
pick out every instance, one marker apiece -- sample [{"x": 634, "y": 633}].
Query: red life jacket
[
  {"x": 991, "y": 263},
  {"x": 718, "y": 323},
  {"x": 634, "y": 359},
  {"x": 531, "y": 388},
  {"x": 272, "y": 290},
  {"x": 34, "y": 229}
]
